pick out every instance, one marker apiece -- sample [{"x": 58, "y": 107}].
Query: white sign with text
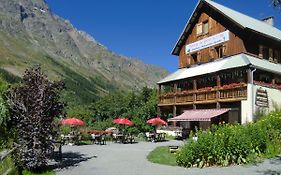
[{"x": 207, "y": 42}]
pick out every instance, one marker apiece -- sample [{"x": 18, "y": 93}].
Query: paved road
[{"x": 130, "y": 159}]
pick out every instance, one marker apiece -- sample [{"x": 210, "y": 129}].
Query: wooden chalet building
[{"x": 229, "y": 68}]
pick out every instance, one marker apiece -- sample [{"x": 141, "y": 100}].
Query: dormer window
[{"x": 202, "y": 28}]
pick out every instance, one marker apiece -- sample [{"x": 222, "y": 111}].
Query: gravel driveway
[{"x": 130, "y": 159}]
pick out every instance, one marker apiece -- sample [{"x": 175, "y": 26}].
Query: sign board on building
[
  {"x": 261, "y": 98},
  {"x": 207, "y": 42}
]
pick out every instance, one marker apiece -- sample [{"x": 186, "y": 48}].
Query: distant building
[{"x": 229, "y": 68}]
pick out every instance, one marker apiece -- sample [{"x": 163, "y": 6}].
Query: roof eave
[
  {"x": 262, "y": 34},
  {"x": 186, "y": 28},
  {"x": 188, "y": 24}
]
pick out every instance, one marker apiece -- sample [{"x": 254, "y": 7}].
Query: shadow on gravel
[
  {"x": 269, "y": 172},
  {"x": 70, "y": 159},
  {"x": 274, "y": 161}
]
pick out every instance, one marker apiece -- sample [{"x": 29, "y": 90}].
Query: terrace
[
  {"x": 230, "y": 92},
  {"x": 223, "y": 80}
]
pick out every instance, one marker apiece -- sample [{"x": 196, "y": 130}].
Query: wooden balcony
[{"x": 209, "y": 95}]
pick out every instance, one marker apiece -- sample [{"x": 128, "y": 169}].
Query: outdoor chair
[
  {"x": 162, "y": 137},
  {"x": 93, "y": 138},
  {"x": 114, "y": 137},
  {"x": 102, "y": 139},
  {"x": 178, "y": 135},
  {"x": 58, "y": 149},
  {"x": 57, "y": 152},
  {"x": 130, "y": 139},
  {"x": 148, "y": 137}
]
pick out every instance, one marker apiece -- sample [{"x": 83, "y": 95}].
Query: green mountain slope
[{"x": 31, "y": 34}]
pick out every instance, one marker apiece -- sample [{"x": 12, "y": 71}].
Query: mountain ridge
[{"x": 31, "y": 34}]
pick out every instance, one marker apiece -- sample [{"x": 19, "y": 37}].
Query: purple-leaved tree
[{"x": 33, "y": 106}]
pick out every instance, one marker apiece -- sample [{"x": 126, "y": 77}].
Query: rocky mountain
[{"x": 31, "y": 34}]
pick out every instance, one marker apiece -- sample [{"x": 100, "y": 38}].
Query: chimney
[{"x": 269, "y": 20}]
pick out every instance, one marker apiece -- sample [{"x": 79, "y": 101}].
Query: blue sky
[{"x": 145, "y": 29}]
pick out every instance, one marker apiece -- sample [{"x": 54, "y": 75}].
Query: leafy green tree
[
  {"x": 33, "y": 106},
  {"x": 4, "y": 116},
  {"x": 81, "y": 112},
  {"x": 137, "y": 106}
]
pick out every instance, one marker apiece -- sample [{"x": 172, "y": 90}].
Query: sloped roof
[
  {"x": 243, "y": 20},
  {"x": 235, "y": 61}
]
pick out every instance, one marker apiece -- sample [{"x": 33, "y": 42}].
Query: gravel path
[{"x": 130, "y": 159}]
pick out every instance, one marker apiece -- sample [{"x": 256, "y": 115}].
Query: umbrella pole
[{"x": 123, "y": 131}]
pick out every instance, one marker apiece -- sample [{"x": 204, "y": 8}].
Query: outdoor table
[
  {"x": 97, "y": 138},
  {"x": 153, "y": 136}
]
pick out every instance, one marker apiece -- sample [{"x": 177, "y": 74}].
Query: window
[
  {"x": 205, "y": 27},
  {"x": 194, "y": 57},
  {"x": 277, "y": 56},
  {"x": 264, "y": 52},
  {"x": 202, "y": 28},
  {"x": 219, "y": 51},
  {"x": 199, "y": 28}
]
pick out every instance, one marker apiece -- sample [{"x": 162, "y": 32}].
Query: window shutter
[{"x": 199, "y": 28}]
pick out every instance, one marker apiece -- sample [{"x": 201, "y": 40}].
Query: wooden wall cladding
[{"x": 233, "y": 46}]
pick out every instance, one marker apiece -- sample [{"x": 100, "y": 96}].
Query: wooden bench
[{"x": 173, "y": 149}]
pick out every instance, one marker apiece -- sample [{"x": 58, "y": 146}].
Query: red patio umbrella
[
  {"x": 73, "y": 121},
  {"x": 156, "y": 121},
  {"x": 123, "y": 121}
]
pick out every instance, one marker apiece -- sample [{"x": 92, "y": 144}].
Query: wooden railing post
[
  {"x": 195, "y": 89},
  {"x": 159, "y": 93},
  {"x": 218, "y": 96},
  {"x": 175, "y": 92}
]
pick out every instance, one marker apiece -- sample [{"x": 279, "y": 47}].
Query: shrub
[{"x": 233, "y": 144}]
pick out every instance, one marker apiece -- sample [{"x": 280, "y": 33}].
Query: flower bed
[
  {"x": 269, "y": 85},
  {"x": 233, "y": 85},
  {"x": 233, "y": 144}
]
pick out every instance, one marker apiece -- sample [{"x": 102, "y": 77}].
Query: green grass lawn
[
  {"x": 8, "y": 163},
  {"x": 43, "y": 173},
  {"x": 162, "y": 155}
]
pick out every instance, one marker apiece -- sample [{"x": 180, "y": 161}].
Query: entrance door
[{"x": 194, "y": 125}]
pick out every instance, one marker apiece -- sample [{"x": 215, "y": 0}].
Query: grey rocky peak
[{"x": 29, "y": 32}]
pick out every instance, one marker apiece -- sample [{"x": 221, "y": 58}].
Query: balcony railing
[{"x": 224, "y": 93}]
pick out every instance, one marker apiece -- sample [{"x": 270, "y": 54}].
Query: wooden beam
[
  {"x": 194, "y": 88},
  {"x": 218, "y": 81},
  {"x": 159, "y": 89},
  {"x": 158, "y": 111},
  {"x": 175, "y": 91},
  {"x": 174, "y": 110},
  {"x": 194, "y": 106},
  {"x": 218, "y": 105}
]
